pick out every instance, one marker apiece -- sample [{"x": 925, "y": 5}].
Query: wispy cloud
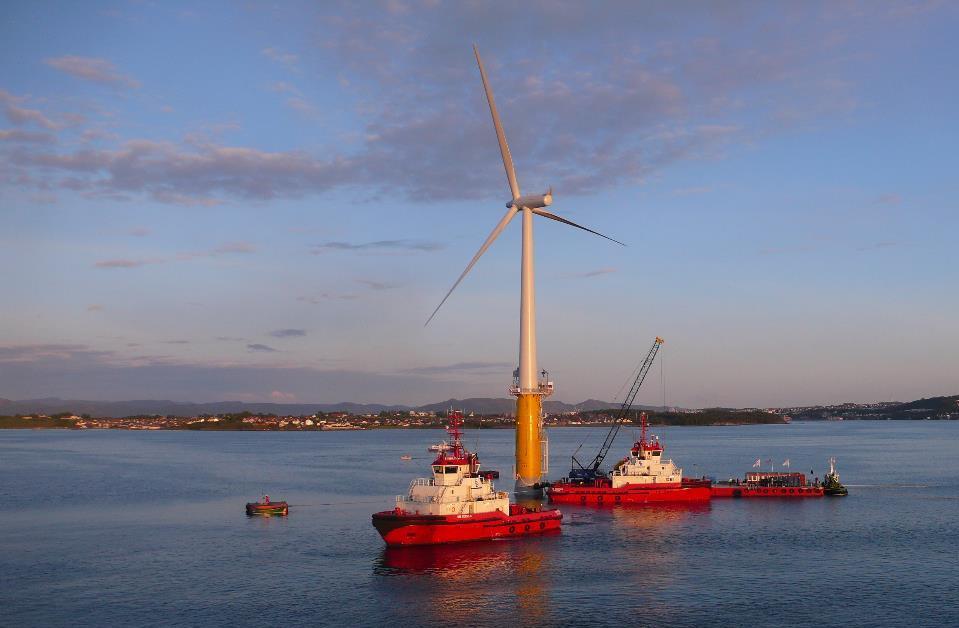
[
  {"x": 73, "y": 371},
  {"x": 282, "y": 87},
  {"x": 282, "y": 397},
  {"x": 28, "y": 137},
  {"x": 378, "y": 245},
  {"x": 37, "y": 352},
  {"x": 784, "y": 250},
  {"x": 596, "y": 273},
  {"x": 193, "y": 173},
  {"x": 93, "y": 69},
  {"x": 94, "y": 307},
  {"x": 229, "y": 248},
  {"x": 888, "y": 199},
  {"x": 234, "y": 248},
  {"x": 260, "y": 348},
  {"x": 302, "y": 105},
  {"x": 642, "y": 92},
  {"x": 280, "y": 56},
  {"x": 326, "y": 296},
  {"x": 295, "y": 99},
  {"x": 126, "y": 263},
  {"x": 21, "y": 115},
  {"x": 693, "y": 191},
  {"x": 140, "y": 232},
  {"x": 377, "y": 285},
  {"x": 459, "y": 367},
  {"x": 288, "y": 333},
  {"x": 885, "y": 244}
]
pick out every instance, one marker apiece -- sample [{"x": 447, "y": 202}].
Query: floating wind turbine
[{"x": 527, "y": 388}]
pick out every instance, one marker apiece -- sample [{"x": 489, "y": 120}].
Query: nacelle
[{"x": 533, "y": 201}]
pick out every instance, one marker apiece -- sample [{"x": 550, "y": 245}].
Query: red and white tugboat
[
  {"x": 458, "y": 504},
  {"x": 641, "y": 478}
]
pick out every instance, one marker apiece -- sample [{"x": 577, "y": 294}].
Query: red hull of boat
[
  {"x": 561, "y": 493},
  {"x": 404, "y": 529},
  {"x": 777, "y": 492}
]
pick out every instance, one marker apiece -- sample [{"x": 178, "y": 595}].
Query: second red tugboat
[
  {"x": 641, "y": 478},
  {"x": 458, "y": 504}
]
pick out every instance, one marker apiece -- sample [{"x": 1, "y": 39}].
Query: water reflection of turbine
[
  {"x": 654, "y": 531},
  {"x": 458, "y": 561},
  {"x": 458, "y": 573},
  {"x": 659, "y": 517},
  {"x": 453, "y": 574},
  {"x": 530, "y": 593}
]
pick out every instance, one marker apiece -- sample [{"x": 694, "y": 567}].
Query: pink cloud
[{"x": 92, "y": 69}]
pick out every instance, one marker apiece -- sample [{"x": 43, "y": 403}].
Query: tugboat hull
[
  {"x": 399, "y": 528},
  {"x": 565, "y": 493}
]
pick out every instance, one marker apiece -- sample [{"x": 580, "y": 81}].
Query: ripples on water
[{"x": 147, "y": 528}]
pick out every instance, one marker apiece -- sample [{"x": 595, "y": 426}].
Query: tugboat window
[
  {"x": 451, "y": 469},
  {"x": 438, "y": 469}
]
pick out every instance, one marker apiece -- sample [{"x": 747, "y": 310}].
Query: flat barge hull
[{"x": 767, "y": 492}]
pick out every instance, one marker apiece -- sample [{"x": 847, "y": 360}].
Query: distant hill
[
  {"x": 934, "y": 407},
  {"x": 116, "y": 409},
  {"x": 931, "y": 408},
  {"x": 507, "y": 405},
  {"x": 52, "y": 405}
]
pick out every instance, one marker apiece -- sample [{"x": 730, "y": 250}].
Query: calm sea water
[{"x": 105, "y": 528}]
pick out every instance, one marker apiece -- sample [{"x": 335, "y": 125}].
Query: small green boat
[{"x": 831, "y": 486}]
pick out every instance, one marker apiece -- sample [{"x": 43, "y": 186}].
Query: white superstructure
[
  {"x": 646, "y": 465},
  {"x": 454, "y": 489}
]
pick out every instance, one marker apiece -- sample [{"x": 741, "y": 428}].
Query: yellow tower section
[
  {"x": 532, "y": 449},
  {"x": 529, "y": 438}
]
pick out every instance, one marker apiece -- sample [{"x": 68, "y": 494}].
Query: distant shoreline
[{"x": 40, "y": 424}]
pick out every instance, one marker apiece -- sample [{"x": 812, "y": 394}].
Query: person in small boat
[{"x": 266, "y": 499}]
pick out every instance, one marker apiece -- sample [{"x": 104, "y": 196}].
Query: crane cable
[{"x": 628, "y": 380}]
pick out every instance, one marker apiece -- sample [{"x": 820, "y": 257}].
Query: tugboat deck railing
[{"x": 435, "y": 499}]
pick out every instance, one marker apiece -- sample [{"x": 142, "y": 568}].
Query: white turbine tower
[{"x": 527, "y": 388}]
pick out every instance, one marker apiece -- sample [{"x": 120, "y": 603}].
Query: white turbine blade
[
  {"x": 546, "y": 214},
  {"x": 492, "y": 236},
  {"x": 500, "y": 134}
]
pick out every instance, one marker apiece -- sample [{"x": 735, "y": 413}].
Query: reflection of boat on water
[
  {"x": 661, "y": 517},
  {"x": 453, "y": 557},
  {"x": 459, "y": 504},
  {"x": 452, "y": 581}
]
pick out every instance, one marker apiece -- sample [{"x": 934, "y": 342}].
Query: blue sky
[{"x": 258, "y": 202}]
